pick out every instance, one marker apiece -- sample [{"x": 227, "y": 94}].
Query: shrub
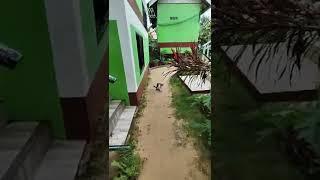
[
  {"x": 129, "y": 164},
  {"x": 298, "y": 130},
  {"x": 202, "y": 129},
  {"x": 203, "y": 101}
]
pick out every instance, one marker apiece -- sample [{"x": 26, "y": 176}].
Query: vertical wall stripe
[
  {"x": 121, "y": 11},
  {"x": 68, "y": 48},
  {"x": 117, "y": 12}
]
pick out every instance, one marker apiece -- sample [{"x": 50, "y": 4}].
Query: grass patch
[
  {"x": 237, "y": 153},
  {"x": 195, "y": 122},
  {"x": 129, "y": 163}
]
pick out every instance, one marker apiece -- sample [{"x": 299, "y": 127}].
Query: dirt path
[{"x": 160, "y": 140}]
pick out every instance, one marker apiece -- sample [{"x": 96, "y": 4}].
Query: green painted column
[
  {"x": 29, "y": 91},
  {"x": 119, "y": 89}
]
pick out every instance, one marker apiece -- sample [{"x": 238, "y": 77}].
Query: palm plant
[
  {"x": 190, "y": 64},
  {"x": 267, "y": 26}
]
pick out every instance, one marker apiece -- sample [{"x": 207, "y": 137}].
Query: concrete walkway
[{"x": 159, "y": 142}]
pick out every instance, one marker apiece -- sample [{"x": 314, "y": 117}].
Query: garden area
[
  {"x": 195, "y": 111},
  {"x": 256, "y": 140}
]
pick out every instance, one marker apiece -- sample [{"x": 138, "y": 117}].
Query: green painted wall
[
  {"x": 139, "y": 3},
  {"x": 139, "y": 74},
  {"x": 94, "y": 50},
  {"x": 184, "y": 29},
  {"x": 168, "y": 50},
  {"x": 29, "y": 91},
  {"x": 119, "y": 89}
]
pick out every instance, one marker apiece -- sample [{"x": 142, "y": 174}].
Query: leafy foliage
[
  {"x": 154, "y": 49},
  {"x": 129, "y": 164},
  {"x": 203, "y": 101},
  {"x": 196, "y": 123},
  {"x": 190, "y": 63},
  {"x": 309, "y": 129},
  {"x": 205, "y": 30},
  {"x": 202, "y": 129},
  {"x": 297, "y": 128}
]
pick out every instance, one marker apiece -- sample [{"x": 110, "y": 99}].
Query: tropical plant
[
  {"x": 154, "y": 49},
  {"x": 296, "y": 128},
  {"x": 190, "y": 64},
  {"x": 129, "y": 164},
  {"x": 202, "y": 129},
  {"x": 205, "y": 30},
  {"x": 268, "y": 26},
  {"x": 203, "y": 101}
]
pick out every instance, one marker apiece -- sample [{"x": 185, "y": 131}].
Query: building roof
[
  {"x": 152, "y": 5},
  {"x": 206, "y": 3}
]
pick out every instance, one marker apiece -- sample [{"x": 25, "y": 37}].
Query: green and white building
[
  {"x": 128, "y": 49},
  {"x": 177, "y": 22},
  {"x": 54, "y": 96}
]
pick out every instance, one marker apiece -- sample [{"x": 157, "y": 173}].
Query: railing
[{"x": 206, "y": 49}]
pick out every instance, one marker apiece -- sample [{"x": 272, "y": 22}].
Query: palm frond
[
  {"x": 190, "y": 64},
  {"x": 290, "y": 24}
]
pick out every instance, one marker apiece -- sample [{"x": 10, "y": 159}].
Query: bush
[
  {"x": 129, "y": 164},
  {"x": 202, "y": 127},
  {"x": 298, "y": 130},
  {"x": 203, "y": 101}
]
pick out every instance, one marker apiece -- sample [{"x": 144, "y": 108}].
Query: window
[
  {"x": 173, "y": 18},
  {"x": 101, "y": 8},
  {"x": 145, "y": 22},
  {"x": 140, "y": 49}
]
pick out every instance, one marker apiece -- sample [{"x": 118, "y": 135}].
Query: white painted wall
[
  {"x": 118, "y": 12},
  {"x": 68, "y": 50},
  {"x": 121, "y": 11},
  {"x": 132, "y": 19}
]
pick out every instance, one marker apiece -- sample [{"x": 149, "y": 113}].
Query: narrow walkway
[{"x": 158, "y": 142}]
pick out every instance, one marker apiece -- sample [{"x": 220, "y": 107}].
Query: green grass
[
  {"x": 129, "y": 163},
  {"x": 237, "y": 153},
  {"x": 195, "y": 122}
]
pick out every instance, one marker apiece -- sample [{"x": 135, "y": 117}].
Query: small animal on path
[{"x": 158, "y": 86}]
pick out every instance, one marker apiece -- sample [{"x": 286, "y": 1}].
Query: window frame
[
  {"x": 140, "y": 51},
  {"x": 100, "y": 18}
]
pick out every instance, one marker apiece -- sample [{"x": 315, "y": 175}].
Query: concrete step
[
  {"x": 22, "y": 148},
  {"x": 119, "y": 134},
  {"x": 116, "y": 107},
  {"x": 61, "y": 161}
]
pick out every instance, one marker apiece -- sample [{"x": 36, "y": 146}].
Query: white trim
[
  {"x": 121, "y": 11},
  {"x": 117, "y": 12},
  {"x": 64, "y": 25},
  {"x": 132, "y": 19}
]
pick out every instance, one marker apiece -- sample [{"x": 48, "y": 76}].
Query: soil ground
[{"x": 162, "y": 143}]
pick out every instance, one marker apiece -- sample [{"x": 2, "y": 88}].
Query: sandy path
[{"x": 158, "y": 142}]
